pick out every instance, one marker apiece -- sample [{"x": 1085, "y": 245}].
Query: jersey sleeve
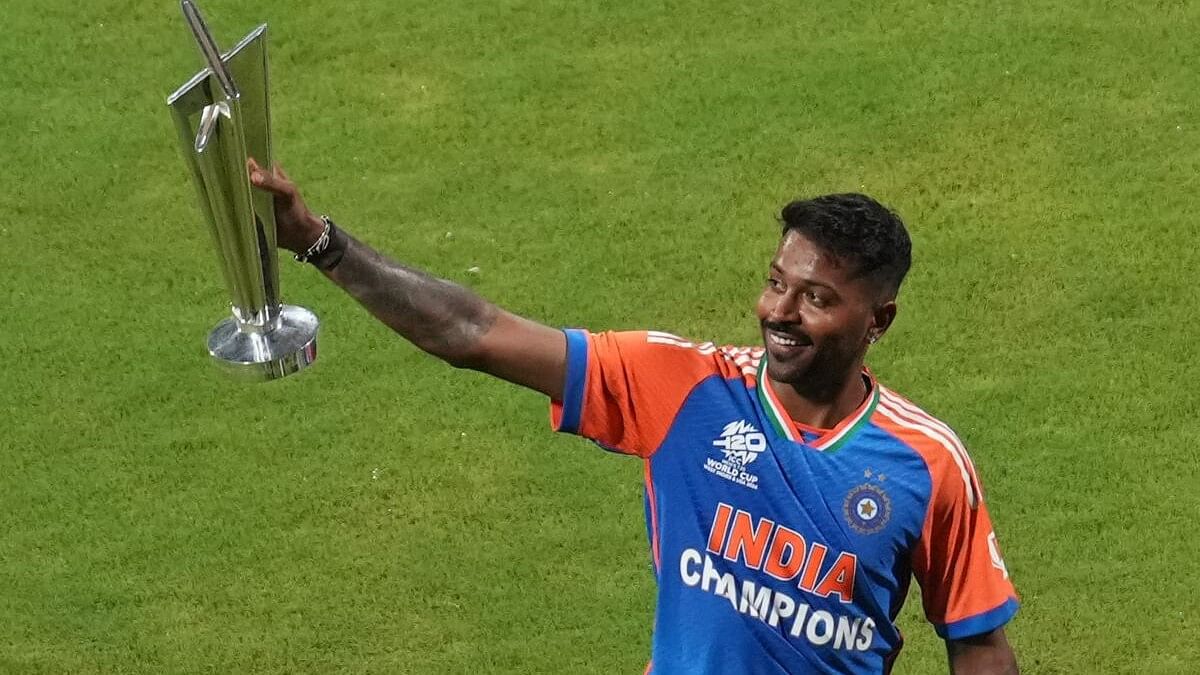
[
  {"x": 623, "y": 389},
  {"x": 964, "y": 582}
]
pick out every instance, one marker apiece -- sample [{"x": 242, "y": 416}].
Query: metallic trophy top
[
  {"x": 208, "y": 47},
  {"x": 222, "y": 116}
]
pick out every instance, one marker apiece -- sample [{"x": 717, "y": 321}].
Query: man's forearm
[
  {"x": 442, "y": 318},
  {"x": 986, "y": 654},
  {"x": 439, "y": 316},
  {"x": 1009, "y": 668},
  {"x": 984, "y": 668}
]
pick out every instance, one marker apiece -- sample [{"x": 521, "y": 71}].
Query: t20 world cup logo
[{"x": 741, "y": 442}]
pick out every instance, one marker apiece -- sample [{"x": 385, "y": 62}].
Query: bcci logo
[
  {"x": 867, "y": 508},
  {"x": 741, "y": 442}
]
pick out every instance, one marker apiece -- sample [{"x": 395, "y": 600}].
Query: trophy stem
[{"x": 222, "y": 163}]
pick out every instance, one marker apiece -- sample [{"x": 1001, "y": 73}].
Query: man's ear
[{"x": 881, "y": 320}]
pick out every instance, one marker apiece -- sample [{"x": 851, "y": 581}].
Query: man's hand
[
  {"x": 296, "y": 227},
  {"x": 986, "y": 654}
]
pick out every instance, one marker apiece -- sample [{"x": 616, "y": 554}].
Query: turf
[{"x": 610, "y": 165}]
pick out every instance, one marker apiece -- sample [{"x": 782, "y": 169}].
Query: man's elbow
[{"x": 464, "y": 360}]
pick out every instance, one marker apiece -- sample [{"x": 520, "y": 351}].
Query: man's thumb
[
  {"x": 257, "y": 176},
  {"x": 264, "y": 180}
]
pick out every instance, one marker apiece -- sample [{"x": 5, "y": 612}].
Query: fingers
[{"x": 272, "y": 181}]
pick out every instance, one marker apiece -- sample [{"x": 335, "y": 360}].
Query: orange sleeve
[
  {"x": 964, "y": 582},
  {"x": 623, "y": 389}
]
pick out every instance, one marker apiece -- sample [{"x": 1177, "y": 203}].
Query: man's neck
[{"x": 823, "y": 407}]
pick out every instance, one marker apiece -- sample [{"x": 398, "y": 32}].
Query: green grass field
[{"x": 609, "y": 165}]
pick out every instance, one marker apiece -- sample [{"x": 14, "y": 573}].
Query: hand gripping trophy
[{"x": 223, "y": 118}]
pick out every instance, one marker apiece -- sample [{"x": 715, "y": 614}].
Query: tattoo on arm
[{"x": 436, "y": 315}]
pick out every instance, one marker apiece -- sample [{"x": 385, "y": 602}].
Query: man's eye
[
  {"x": 816, "y": 299},
  {"x": 774, "y": 283}
]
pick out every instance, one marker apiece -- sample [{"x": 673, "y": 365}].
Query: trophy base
[{"x": 267, "y": 356}]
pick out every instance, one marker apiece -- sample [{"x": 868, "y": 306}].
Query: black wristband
[
  {"x": 327, "y": 251},
  {"x": 332, "y": 255}
]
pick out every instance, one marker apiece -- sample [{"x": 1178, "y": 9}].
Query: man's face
[{"x": 817, "y": 316}]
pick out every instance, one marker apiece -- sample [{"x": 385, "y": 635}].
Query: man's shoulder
[
  {"x": 669, "y": 352},
  {"x": 937, "y": 444},
  {"x": 892, "y": 400}
]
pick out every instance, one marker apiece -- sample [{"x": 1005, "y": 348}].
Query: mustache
[{"x": 791, "y": 329}]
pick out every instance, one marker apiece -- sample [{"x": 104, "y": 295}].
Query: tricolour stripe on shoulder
[
  {"x": 906, "y": 406},
  {"x": 745, "y": 358},
  {"x": 661, "y": 338},
  {"x": 900, "y": 418}
]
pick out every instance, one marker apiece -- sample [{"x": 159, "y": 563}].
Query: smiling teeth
[{"x": 784, "y": 341}]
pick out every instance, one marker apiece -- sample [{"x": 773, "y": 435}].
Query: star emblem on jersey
[
  {"x": 740, "y": 443},
  {"x": 867, "y": 508}
]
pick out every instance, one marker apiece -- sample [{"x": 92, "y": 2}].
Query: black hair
[{"x": 858, "y": 230}]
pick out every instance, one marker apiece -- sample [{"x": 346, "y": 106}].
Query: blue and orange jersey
[{"x": 780, "y": 548}]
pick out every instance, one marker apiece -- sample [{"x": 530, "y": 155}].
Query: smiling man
[{"x": 790, "y": 497}]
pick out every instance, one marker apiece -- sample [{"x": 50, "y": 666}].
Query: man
[{"x": 789, "y": 496}]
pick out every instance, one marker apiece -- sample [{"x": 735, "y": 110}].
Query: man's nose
[{"x": 786, "y": 309}]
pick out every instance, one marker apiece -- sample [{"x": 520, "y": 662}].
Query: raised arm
[{"x": 441, "y": 317}]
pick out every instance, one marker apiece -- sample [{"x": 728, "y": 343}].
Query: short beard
[{"x": 822, "y": 379}]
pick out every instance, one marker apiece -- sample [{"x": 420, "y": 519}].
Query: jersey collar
[{"x": 832, "y": 440}]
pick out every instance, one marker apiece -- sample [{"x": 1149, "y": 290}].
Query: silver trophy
[{"x": 223, "y": 116}]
